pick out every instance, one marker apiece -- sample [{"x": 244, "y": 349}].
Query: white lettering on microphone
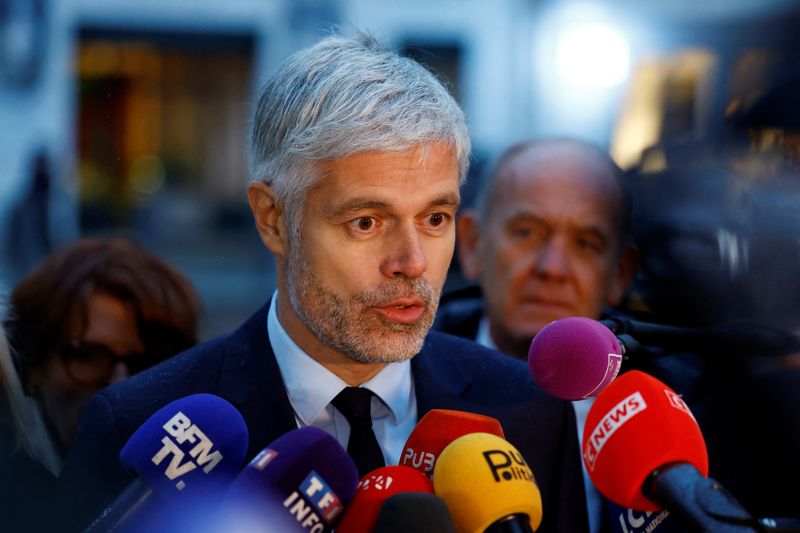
[
  {"x": 375, "y": 481},
  {"x": 313, "y": 505},
  {"x": 609, "y": 424},
  {"x": 418, "y": 459},
  {"x": 180, "y": 427},
  {"x": 677, "y": 402}
]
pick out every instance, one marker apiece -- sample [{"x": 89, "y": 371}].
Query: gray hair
[{"x": 343, "y": 96}]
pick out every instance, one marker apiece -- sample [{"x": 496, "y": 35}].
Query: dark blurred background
[{"x": 131, "y": 118}]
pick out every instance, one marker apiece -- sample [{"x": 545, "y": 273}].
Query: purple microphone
[
  {"x": 574, "y": 358},
  {"x": 300, "y": 482}
]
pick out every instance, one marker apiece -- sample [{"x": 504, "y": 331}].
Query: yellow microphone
[{"x": 487, "y": 485}]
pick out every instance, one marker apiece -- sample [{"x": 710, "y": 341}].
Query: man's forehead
[
  {"x": 424, "y": 173},
  {"x": 582, "y": 201}
]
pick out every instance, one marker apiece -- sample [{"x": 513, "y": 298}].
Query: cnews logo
[
  {"x": 508, "y": 465},
  {"x": 312, "y": 500},
  {"x": 416, "y": 460},
  {"x": 609, "y": 424},
  {"x": 182, "y": 430},
  {"x": 677, "y": 402}
]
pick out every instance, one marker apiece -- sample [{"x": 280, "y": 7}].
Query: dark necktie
[{"x": 354, "y": 404}]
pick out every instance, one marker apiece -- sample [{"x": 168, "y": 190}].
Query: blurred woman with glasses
[{"x": 92, "y": 314}]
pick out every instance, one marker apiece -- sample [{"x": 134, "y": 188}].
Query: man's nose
[
  {"x": 406, "y": 258},
  {"x": 552, "y": 258}
]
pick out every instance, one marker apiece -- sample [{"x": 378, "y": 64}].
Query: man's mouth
[{"x": 405, "y": 311}]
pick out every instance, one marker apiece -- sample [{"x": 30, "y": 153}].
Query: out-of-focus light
[
  {"x": 593, "y": 55},
  {"x": 147, "y": 174}
]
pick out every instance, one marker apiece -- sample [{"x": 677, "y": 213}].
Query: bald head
[
  {"x": 568, "y": 162},
  {"x": 548, "y": 239}
]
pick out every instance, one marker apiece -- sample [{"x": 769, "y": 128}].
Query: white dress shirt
[{"x": 311, "y": 387}]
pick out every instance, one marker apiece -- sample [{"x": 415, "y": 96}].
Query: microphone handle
[
  {"x": 126, "y": 506},
  {"x": 779, "y": 525},
  {"x": 515, "y": 523},
  {"x": 700, "y": 502},
  {"x": 657, "y": 334}
]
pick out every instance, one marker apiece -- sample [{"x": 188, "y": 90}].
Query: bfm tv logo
[
  {"x": 609, "y": 424},
  {"x": 415, "y": 460},
  {"x": 182, "y": 430},
  {"x": 507, "y": 465},
  {"x": 314, "y": 498}
]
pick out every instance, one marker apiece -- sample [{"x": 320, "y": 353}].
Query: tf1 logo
[
  {"x": 180, "y": 428},
  {"x": 314, "y": 499},
  {"x": 507, "y": 465}
]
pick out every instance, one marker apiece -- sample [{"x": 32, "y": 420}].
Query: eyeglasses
[{"x": 92, "y": 364}]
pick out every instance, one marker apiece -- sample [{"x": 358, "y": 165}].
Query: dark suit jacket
[{"x": 449, "y": 373}]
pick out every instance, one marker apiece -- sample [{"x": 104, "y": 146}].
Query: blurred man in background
[{"x": 548, "y": 240}]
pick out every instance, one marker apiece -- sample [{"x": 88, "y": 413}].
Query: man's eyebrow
[
  {"x": 356, "y": 204},
  {"x": 527, "y": 217},
  {"x": 446, "y": 200}
]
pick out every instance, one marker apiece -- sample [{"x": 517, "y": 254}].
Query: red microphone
[
  {"x": 374, "y": 489},
  {"x": 644, "y": 450},
  {"x": 636, "y": 426},
  {"x": 437, "y": 429}
]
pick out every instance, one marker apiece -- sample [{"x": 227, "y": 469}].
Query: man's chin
[{"x": 388, "y": 349}]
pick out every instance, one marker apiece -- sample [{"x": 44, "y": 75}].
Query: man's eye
[
  {"x": 436, "y": 219},
  {"x": 363, "y": 223},
  {"x": 591, "y": 244}
]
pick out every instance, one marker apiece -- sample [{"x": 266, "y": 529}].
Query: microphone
[
  {"x": 300, "y": 482},
  {"x": 740, "y": 337},
  {"x": 574, "y": 358},
  {"x": 437, "y": 429},
  {"x": 643, "y": 449},
  {"x": 373, "y": 489},
  {"x": 186, "y": 451},
  {"x": 418, "y": 512},
  {"x": 487, "y": 485}
]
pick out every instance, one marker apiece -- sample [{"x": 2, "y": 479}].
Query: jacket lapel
[
  {"x": 440, "y": 382},
  {"x": 251, "y": 380}
]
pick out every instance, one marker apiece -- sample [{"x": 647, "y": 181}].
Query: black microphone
[
  {"x": 417, "y": 512},
  {"x": 739, "y": 337}
]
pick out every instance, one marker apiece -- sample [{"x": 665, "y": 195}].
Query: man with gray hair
[{"x": 357, "y": 156}]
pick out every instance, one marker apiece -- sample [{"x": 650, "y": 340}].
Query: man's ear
[
  {"x": 467, "y": 237},
  {"x": 623, "y": 275},
  {"x": 269, "y": 216}
]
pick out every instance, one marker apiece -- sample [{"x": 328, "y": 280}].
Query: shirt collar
[
  {"x": 484, "y": 337},
  {"x": 311, "y": 387}
]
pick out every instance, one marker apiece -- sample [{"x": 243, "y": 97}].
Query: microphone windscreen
[
  {"x": 574, "y": 358},
  {"x": 437, "y": 429},
  {"x": 482, "y": 479},
  {"x": 636, "y": 425},
  {"x": 373, "y": 489},
  {"x": 301, "y": 481},
  {"x": 416, "y": 512},
  {"x": 192, "y": 446}
]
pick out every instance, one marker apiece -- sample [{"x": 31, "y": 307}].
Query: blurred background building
[{"x": 131, "y": 117}]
